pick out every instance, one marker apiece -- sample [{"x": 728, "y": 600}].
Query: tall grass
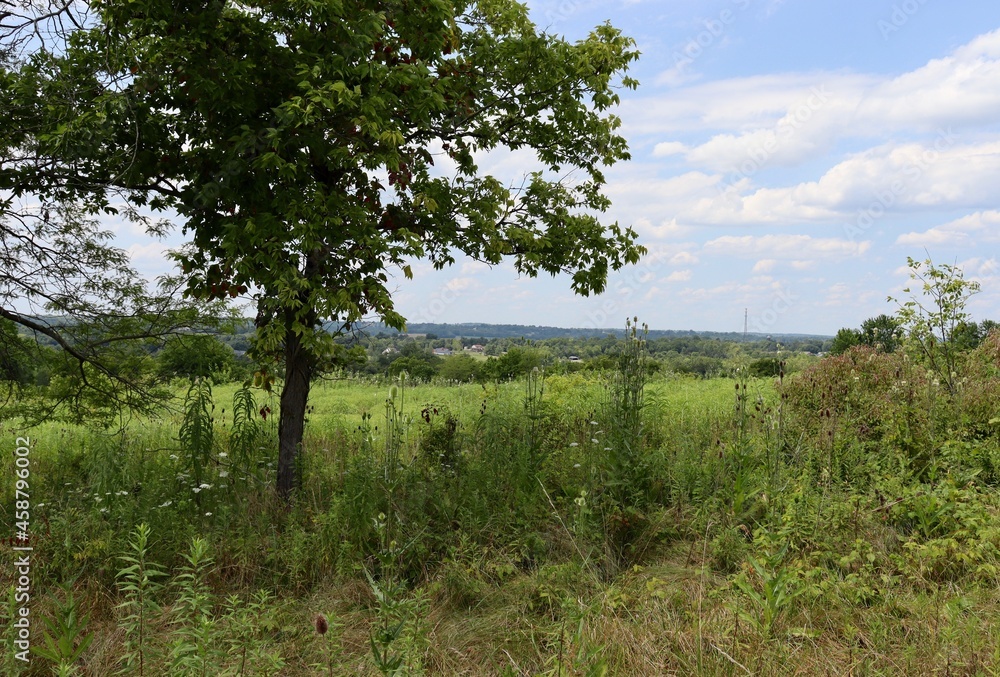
[{"x": 843, "y": 518}]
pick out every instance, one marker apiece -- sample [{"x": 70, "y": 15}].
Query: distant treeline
[
  {"x": 476, "y": 352},
  {"x": 472, "y": 329}
]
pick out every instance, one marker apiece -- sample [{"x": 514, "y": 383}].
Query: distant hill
[{"x": 490, "y": 331}]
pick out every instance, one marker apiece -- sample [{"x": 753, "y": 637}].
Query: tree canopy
[{"x": 309, "y": 148}]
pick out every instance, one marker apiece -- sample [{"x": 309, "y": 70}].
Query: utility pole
[{"x": 746, "y": 315}]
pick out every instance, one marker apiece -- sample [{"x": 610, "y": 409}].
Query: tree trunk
[{"x": 291, "y": 424}]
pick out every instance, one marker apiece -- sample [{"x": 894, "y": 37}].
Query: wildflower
[
  {"x": 576, "y": 465},
  {"x": 574, "y": 444},
  {"x": 196, "y": 489},
  {"x": 208, "y": 514},
  {"x": 166, "y": 504},
  {"x": 223, "y": 473},
  {"x": 173, "y": 457},
  {"x": 594, "y": 440},
  {"x": 203, "y": 485},
  {"x": 223, "y": 454},
  {"x": 593, "y": 423}
]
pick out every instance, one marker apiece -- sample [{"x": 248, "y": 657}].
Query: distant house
[
  {"x": 442, "y": 352},
  {"x": 477, "y": 348},
  {"x": 574, "y": 358},
  {"x": 391, "y": 350}
]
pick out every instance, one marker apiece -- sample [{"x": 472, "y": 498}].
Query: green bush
[{"x": 197, "y": 356}]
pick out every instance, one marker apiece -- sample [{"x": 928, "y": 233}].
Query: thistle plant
[
  {"x": 395, "y": 430},
  {"x": 533, "y": 394},
  {"x": 328, "y": 632},
  {"x": 398, "y": 635},
  {"x": 623, "y": 406}
]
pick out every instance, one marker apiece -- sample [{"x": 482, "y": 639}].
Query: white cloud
[
  {"x": 471, "y": 267},
  {"x": 684, "y": 258},
  {"x": 865, "y": 186},
  {"x": 460, "y": 283},
  {"x": 678, "y": 276},
  {"x": 981, "y": 226},
  {"x": 785, "y": 119},
  {"x": 153, "y": 252},
  {"x": 791, "y": 246},
  {"x": 667, "y": 230},
  {"x": 668, "y": 148}
]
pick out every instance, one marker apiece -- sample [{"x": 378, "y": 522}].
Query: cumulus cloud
[
  {"x": 785, "y": 119},
  {"x": 983, "y": 226},
  {"x": 683, "y": 258},
  {"x": 678, "y": 276},
  {"x": 668, "y": 148},
  {"x": 788, "y": 246}
]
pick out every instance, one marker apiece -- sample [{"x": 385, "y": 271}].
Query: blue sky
[{"x": 788, "y": 155}]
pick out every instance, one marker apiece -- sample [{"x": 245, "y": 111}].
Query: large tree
[{"x": 310, "y": 147}]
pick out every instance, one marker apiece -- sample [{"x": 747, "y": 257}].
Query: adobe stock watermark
[
  {"x": 886, "y": 198},
  {"x": 901, "y": 14},
  {"x": 638, "y": 276},
  {"x": 714, "y": 29},
  {"x": 563, "y": 10},
  {"x": 438, "y": 303},
  {"x": 784, "y": 300},
  {"x": 21, "y": 574},
  {"x": 785, "y": 131}
]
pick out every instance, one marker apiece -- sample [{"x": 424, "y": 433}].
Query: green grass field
[{"x": 844, "y": 522}]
